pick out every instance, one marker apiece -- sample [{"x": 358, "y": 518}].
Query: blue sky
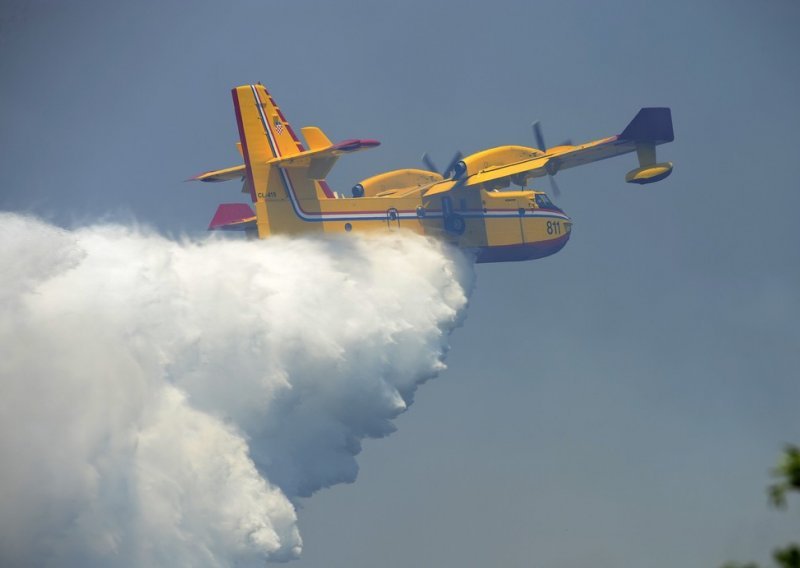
[{"x": 617, "y": 404}]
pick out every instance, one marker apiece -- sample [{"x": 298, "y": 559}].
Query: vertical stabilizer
[{"x": 265, "y": 135}]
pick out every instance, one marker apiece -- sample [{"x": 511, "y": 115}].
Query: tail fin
[
  {"x": 262, "y": 132},
  {"x": 265, "y": 135},
  {"x": 260, "y": 115}
]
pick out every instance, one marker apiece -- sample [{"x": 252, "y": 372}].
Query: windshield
[{"x": 543, "y": 202}]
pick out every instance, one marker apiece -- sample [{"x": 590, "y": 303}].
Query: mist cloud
[{"x": 166, "y": 403}]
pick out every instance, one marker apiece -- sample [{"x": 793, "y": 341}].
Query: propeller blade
[
  {"x": 452, "y": 165},
  {"x": 537, "y": 133},
  {"x": 554, "y": 186},
  {"x": 426, "y": 159},
  {"x": 551, "y": 171}
]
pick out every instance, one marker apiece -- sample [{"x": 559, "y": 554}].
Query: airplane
[{"x": 469, "y": 204}]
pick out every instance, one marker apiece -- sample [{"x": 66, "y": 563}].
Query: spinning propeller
[
  {"x": 552, "y": 164},
  {"x": 449, "y": 171}
]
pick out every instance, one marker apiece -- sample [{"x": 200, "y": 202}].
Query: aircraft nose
[{"x": 567, "y": 227}]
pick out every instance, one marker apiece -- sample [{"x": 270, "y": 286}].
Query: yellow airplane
[{"x": 467, "y": 205}]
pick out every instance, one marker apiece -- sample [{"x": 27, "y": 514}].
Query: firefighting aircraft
[{"x": 469, "y": 204}]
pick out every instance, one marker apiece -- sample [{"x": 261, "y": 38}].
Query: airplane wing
[
  {"x": 441, "y": 187},
  {"x": 650, "y": 127}
]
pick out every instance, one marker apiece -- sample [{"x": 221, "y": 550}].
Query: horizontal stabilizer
[
  {"x": 318, "y": 161},
  {"x": 305, "y": 158},
  {"x": 233, "y": 217},
  {"x": 236, "y": 172}
]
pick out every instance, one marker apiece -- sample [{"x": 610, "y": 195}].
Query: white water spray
[{"x": 164, "y": 403}]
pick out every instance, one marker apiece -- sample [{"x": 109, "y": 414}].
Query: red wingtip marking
[{"x": 355, "y": 144}]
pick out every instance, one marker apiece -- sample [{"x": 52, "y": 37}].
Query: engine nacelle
[
  {"x": 394, "y": 181},
  {"x": 493, "y": 157}
]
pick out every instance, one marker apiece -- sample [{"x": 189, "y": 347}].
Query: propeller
[
  {"x": 554, "y": 185},
  {"x": 451, "y": 167},
  {"x": 537, "y": 133},
  {"x": 551, "y": 171},
  {"x": 449, "y": 171},
  {"x": 426, "y": 159}
]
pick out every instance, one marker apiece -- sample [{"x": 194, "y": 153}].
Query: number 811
[{"x": 554, "y": 227}]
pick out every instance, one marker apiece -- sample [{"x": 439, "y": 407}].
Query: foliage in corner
[
  {"x": 787, "y": 476},
  {"x": 787, "y": 479}
]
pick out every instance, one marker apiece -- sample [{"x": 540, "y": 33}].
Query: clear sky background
[{"x": 617, "y": 404}]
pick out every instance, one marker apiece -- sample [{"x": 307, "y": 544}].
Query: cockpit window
[{"x": 544, "y": 202}]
